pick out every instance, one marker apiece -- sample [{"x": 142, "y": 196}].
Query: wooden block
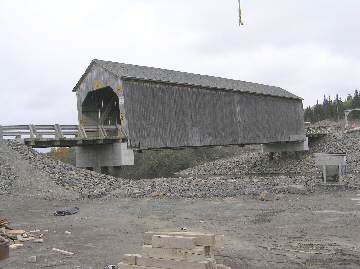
[
  {"x": 15, "y": 246},
  {"x": 15, "y": 232},
  {"x": 201, "y": 239},
  {"x": 175, "y": 264},
  {"x": 130, "y": 258},
  {"x": 167, "y": 241},
  {"x": 196, "y": 254},
  {"x": 122, "y": 265}
]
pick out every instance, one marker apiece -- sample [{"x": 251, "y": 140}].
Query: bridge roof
[{"x": 169, "y": 76}]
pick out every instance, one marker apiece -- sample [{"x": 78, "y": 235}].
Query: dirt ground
[{"x": 320, "y": 230}]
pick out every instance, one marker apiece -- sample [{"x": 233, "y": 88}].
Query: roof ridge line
[
  {"x": 123, "y": 70},
  {"x": 189, "y": 73}
]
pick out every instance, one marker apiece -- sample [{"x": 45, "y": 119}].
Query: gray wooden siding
[{"x": 161, "y": 115}]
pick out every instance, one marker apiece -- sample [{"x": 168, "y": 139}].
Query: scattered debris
[
  {"x": 266, "y": 196},
  {"x": 15, "y": 246},
  {"x": 16, "y": 237},
  {"x": 24, "y": 237},
  {"x": 15, "y": 232},
  {"x": 64, "y": 252},
  {"x": 32, "y": 259},
  {"x": 67, "y": 211},
  {"x": 3, "y": 222}
]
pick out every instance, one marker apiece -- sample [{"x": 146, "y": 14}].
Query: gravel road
[{"x": 313, "y": 231}]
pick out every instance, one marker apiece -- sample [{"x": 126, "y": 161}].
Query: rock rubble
[
  {"x": 259, "y": 164},
  {"x": 247, "y": 173}
]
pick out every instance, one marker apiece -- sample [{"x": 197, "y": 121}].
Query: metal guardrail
[
  {"x": 61, "y": 135},
  {"x": 72, "y": 135}
]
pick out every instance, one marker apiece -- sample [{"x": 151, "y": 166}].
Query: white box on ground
[
  {"x": 130, "y": 258},
  {"x": 196, "y": 254},
  {"x": 201, "y": 239},
  {"x": 167, "y": 241}
]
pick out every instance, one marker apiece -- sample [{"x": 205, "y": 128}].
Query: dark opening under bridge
[{"x": 122, "y": 107}]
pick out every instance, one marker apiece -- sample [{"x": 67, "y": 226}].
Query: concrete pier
[{"x": 107, "y": 155}]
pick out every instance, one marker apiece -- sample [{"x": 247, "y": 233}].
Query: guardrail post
[
  {"x": 58, "y": 132},
  {"x": 101, "y": 132},
  {"x": 81, "y": 132},
  {"x": 33, "y": 133}
]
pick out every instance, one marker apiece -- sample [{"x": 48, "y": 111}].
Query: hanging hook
[{"x": 240, "y": 15}]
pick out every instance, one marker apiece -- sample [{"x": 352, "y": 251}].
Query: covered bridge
[{"x": 159, "y": 108}]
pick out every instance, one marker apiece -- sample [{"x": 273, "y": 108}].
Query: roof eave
[
  {"x": 293, "y": 96},
  {"x": 93, "y": 62}
]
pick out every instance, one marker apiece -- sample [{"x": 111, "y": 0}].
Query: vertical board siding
[{"x": 162, "y": 115}]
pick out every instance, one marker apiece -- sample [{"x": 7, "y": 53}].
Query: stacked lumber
[
  {"x": 3, "y": 222},
  {"x": 17, "y": 237},
  {"x": 174, "y": 250}
]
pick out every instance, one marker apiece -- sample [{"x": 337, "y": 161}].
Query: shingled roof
[{"x": 169, "y": 76}]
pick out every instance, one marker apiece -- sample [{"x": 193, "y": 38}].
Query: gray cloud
[{"x": 307, "y": 47}]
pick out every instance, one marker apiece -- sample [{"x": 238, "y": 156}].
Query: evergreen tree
[
  {"x": 331, "y": 109},
  {"x": 356, "y": 100}
]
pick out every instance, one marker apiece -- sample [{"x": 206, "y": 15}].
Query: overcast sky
[{"x": 308, "y": 47}]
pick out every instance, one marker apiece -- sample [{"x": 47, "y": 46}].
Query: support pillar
[
  {"x": 283, "y": 148},
  {"x": 107, "y": 155},
  {"x": 324, "y": 173}
]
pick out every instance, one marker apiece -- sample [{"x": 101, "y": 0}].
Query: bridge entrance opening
[
  {"x": 101, "y": 108},
  {"x": 100, "y": 111}
]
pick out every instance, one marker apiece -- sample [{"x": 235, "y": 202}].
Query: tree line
[{"x": 331, "y": 109}]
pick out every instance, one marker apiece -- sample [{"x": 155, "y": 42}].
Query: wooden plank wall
[{"x": 161, "y": 115}]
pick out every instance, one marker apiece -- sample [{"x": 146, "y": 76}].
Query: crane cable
[{"x": 240, "y": 15}]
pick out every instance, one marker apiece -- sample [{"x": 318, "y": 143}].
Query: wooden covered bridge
[{"x": 139, "y": 107}]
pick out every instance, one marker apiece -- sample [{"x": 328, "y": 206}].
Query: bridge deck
[{"x": 43, "y": 136}]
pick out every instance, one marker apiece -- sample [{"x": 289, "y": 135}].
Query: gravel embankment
[
  {"x": 258, "y": 164},
  {"x": 7, "y": 175},
  {"x": 23, "y": 164},
  {"x": 23, "y": 170}
]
